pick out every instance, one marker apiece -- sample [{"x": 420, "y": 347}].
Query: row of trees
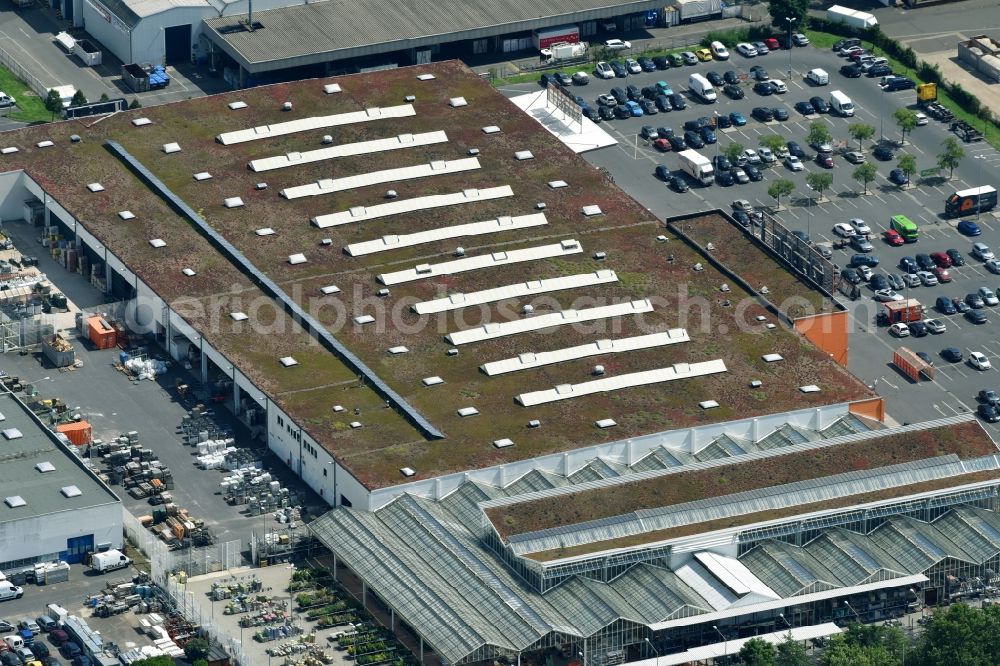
[
  {"x": 865, "y": 173},
  {"x": 54, "y": 105},
  {"x": 960, "y": 636}
]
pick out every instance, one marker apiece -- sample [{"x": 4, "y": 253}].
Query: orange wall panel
[
  {"x": 829, "y": 332},
  {"x": 873, "y": 408}
]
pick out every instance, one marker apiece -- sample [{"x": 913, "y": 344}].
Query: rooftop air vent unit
[
  {"x": 355, "y": 424},
  {"x": 142, "y": 122},
  {"x": 502, "y": 443},
  {"x": 12, "y": 433},
  {"x": 294, "y": 259},
  {"x": 9, "y": 150},
  {"x": 265, "y": 231},
  {"x": 425, "y": 77},
  {"x": 261, "y": 186},
  {"x": 491, "y": 129},
  {"x": 75, "y": 138},
  {"x": 432, "y": 381},
  {"x": 287, "y": 106},
  {"x": 15, "y": 501},
  {"x": 126, "y": 215},
  {"x": 331, "y": 88},
  {"x": 239, "y": 316},
  {"x": 457, "y": 102},
  {"x": 45, "y": 467},
  {"x": 364, "y": 319},
  {"x": 170, "y": 148},
  {"x": 708, "y": 404},
  {"x": 45, "y": 144},
  {"x": 524, "y": 155},
  {"x": 202, "y": 175},
  {"x": 70, "y": 491},
  {"x": 288, "y": 361},
  {"x": 95, "y": 187},
  {"x": 467, "y": 411},
  {"x": 330, "y": 289},
  {"x": 407, "y": 471},
  {"x": 234, "y": 106},
  {"x": 592, "y": 210},
  {"x": 188, "y": 272},
  {"x": 605, "y": 423},
  {"x": 158, "y": 243},
  {"x": 410, "y": 99},
  {"x": 558, "y": 184},
  {"x": 233, "y": 202},
  {"x": 771, "y": 358}
]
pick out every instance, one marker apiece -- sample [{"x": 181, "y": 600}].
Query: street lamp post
[
  {"x": 655, "y": 651},
  {"x": 785, "y": 620},
  {"x": 790, "y": 20},
  {"x": 725, "y": 641},
  {"x": 848, "y": 604}
]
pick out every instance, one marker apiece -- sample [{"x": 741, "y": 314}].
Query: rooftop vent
[
  {"x": 15, "y": 501},
  {"x": 756, "y": 383},
  {"x": 294, "y": 259},
  {"x": 2, "y": 417},
  {"x": 9, "y": 150},
  {"x": 432, "y": 381},
  {"x": 473, "y": 151},
  {"x": 708, "y": 404},
  {"x": 771, "y": 358},
  {"x": 600, "y": 256},
  {"x": 467, "y": 411},
  {"x": 45, "y": 144},
  {"x": 265, "y": 231},
  {"x": 158, "y": 243},
  {"x": 288, "y": 361},
  {"x": 126, "y": 215},
  {"x": 12, "y": 433},
  {"x": 540, "y": 205},
  {"x": 169, "y": 148},
  {"x": 261, "y": 186},
  {"x": 502, "y": 443},
  {"x": 557, "y": 184},
  {"x": 355, "y": 424},
  {"x": 95, "y": 187},
  {"x": 592, "y": 210},
  {"x": 327, "y": 139},
  {"x": 237, "y": 105},
  {"x": 202, "y": 175},
  {"x": 407, "y": 471},
  {"x": 605, "y": 423},
  {"x": 761, "y": 318},
  {"x": 425, "y": 77},
  {"x": 410, "y": 99},
  {"x": 331, "y": 88},
  {"x": 330, "y": 289},
  {"x": 70, "y": 491},
  {"x": 452, "y": 352},
  {"x": 239, "y": 316},
  {"x": 141, "y": 122},
  {"x": 338, "y": 408},
  {"x": 524, "y": 155},
  {"x": 45, "y": 467},
  {"x": 534, "y": 423},
  {"x": 491, "y": 129},
  {"x": 662, "y": 238},
  {"x": 811, "y": 388},
  {"x": 364, "y": 319},
  {"x": 188, "y": 272},
  {"x": 233, "y": 202},
  {"x": 398, "y": 350},
  {"x": 75, "y": 138}
]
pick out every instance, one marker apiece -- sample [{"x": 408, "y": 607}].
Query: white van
[
  {"x": 10, "y": 591},
  {"x": 841, "y": 104},
  {"x": 702, "y": 89},
  {"x": 818, "y": 77}
]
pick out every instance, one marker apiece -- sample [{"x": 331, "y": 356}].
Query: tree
[
  {"x": 865, "y": 173},
  {"x": 860, "y": 132},
  {"x": 907, "y": 164},
  {"x": 780, "y": 10},
  {"x": 733, "y": 150},
  {"x": 960, "y": 636},
  {"x": 79, "y": 99},
  {"x": 196, "y": 648},
  {"x": 53, "y": 103},
  {"x": 951, "y": 157},
  {"x": 773, "y": 142},
  {"x": 818, "y": 134},
  {"x": 906, "y": 119},
  {"x": 105, "y": 98},
  {"x": 865, "y": 645},
  {"x": 819, "y": 182},
  {"x": 780, "y": 188},
  {"x": 163, "y": 660},
  {"x": 791, "y": 653},
  {"x": 757, "y": 652},
  {"x": 136, "y": 104}
]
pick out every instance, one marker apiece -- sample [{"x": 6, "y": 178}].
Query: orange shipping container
[
  {"x": 80, "y": 433},
  {"x": 101, "y": 334}
]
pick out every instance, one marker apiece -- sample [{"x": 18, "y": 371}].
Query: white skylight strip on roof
[
  {"x": 314, "y": 123},
  {"x": 567, "y": 391},
  {"x": 362, "y": 213},
  {"x": 332, "y": 185},
  {"x": 348, "y": 150},
  {"x": 501, "y": 329},
  {"x": 533, "y": 360},
  {"x": 482, "y": 261},
  {"x": 530, "y": 288},
  {"x": 457, "y": 231}
]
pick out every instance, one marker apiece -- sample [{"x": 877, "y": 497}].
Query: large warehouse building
[
  {"x": 53, "y": 506},
  {"x": 333, "y": 35},
  {"x": 546, "y": 420}
]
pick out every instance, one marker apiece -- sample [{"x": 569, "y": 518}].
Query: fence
[
  {"x": 11, "y": 63},
  {"x": 184, "y": 602},
  {"x": 193, "y": 561}
]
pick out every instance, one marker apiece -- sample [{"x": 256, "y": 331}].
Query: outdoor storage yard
[{"x": 618, "y": 258}]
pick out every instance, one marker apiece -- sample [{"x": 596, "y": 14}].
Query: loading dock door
[{"x": 177, "y": 44}]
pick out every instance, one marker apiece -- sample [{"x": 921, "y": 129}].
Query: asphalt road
[
  {"x": 633, "y": 161},
  {"x": 939, "y": 27}
]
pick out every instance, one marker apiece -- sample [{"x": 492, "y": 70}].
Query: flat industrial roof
[
  {"x": 625, "y": 238},
  {"x": 321, "y": 31},
  {"x": 64, "y": 485},
  {"x": 597, "y": 518}
]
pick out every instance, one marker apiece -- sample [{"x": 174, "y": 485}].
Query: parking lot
[{"x": 633, "y": 161}]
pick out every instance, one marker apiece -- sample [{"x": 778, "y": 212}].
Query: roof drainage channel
[{"x": 334, "y": 345}]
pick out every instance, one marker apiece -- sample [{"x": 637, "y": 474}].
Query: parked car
[
  {"x": 604, "y": 71},
  {"x": 969, "y": 228},
  {"x": 689, "y": 58},
  {"x": 794, "y": 163},
  {"x": 895, "y": 281},
  {"x": 979, "y": 361},
  {"x": 741, "y": 177},
  {"x": 725, "y": 178},
  {"x": 942, "y": 274},
  {"x": 799, "y": 39},
  {"x": 805, "y": 108},
  {"x": 944, "y": 305},
  {"x": 581, "y": 78},
  {"x": 893, "y": 237},
  {"x": 704, "y": 55},
  {"x": 758, "y": 73},
  {"x": 825, "y": 160},
  {"x": 899, "y": 177},
  {"x": 753, "y": 173},
  {"x": 988, "y": 296},
  {"x": 820, "y": 104},
  {"x": 719, "y": 50},
  {"x": 762, "y": 113},
  {"x": 766, "y": 156},
  {"x": 763, "y": 88},
  {"x": 974, "y": 300},
  {"x": 795, "y": 149},
  {"x": 746, "y": 50},
  {"x": 723, "y": 122},
  {"x": 908, "y": 265},
  {"x": 606, "y": 112},
  {"x": 956, "y": 257},
  {"x": 860, "y": 244},
  {"x": 899, "y": 330},
  {"x": 731, "y": 76},
  {"x": 976, "y": 316},
  {"x": 927, "y": 278},
  {"x": 738, "y": 118},
  {"x": 647, "y": 64},
  {"x": 661, "y": 62},
  {"x": 952, "y": 354},
  {"x": 715, "y": 79},
  {"x": 851, "y": 71},
  {"x": 733, "y": 91},
  {"x": 679, "y": 183},
  {"x": 677, "y": 101},
  {"x": 662, "y": 172},
  {"x": 780, "y": 113},
  {"x": 988, "y": 396},
  {"x": 851, "y": 276},
  {"x": 981, "y": 251},
  {"x": 761, "y": 48},
  {"x": 992, "y": 265},
  {"x": 918, "y": 329},
  {"x": 988, "y": 413},
  {"x": 617, "y": 45},
  {"x": 854, "y": 157}
]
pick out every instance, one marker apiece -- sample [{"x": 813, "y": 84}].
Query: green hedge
[{"x": 733, "y": 37}]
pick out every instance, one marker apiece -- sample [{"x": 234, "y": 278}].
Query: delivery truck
[
  {"x": 851, "y": 17},
  {"x": 109, "y": 561},
  {"x": 974, "y": 200},
  {"x": 692, "y": 11},
  {"x": 564, "y": 51},
  {"x": 901, "y": 311},
  {"x": 701, "y": 88},
  {"x": 697, "y": 166},
  {"x": 544, "y": 39}
]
